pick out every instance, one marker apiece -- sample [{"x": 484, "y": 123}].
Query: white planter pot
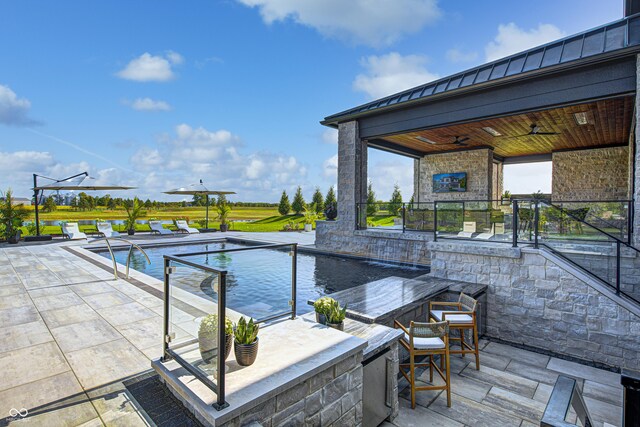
[{"x": 308, "y": 227}]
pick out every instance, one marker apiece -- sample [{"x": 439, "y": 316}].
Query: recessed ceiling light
[
  {"x": 491, "y": 131},
  {"x": 423, "y": 139},
  {"x": 582, "y": 118}
]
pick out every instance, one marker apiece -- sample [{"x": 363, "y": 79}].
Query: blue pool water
[{"x": 259, "y": 281}]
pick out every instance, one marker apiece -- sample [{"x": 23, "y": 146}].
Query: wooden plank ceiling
[{"x": 609, "y": 124}]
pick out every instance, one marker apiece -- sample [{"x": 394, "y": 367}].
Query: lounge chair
[
  {"x": 156, "y": 227},
  {"x": 106, "y": 230},
  {"x": 468, "y": 229},
  {"x": 183, "y": 227},
  {"x": 71, "y": 231}
]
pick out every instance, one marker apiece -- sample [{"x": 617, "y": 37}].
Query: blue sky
[{"x": 160, "y": 94}]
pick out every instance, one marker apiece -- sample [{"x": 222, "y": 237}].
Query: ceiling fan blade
[
  {"x": 547, "y": 133},
  {"x": 463, "y": 140}
]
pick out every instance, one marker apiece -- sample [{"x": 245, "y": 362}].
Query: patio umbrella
[
  {"x": 200, "y": 189},
  {"x": 67, "y": 184}
]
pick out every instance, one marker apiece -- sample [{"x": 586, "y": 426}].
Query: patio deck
[{"x": 72, "y": 336}]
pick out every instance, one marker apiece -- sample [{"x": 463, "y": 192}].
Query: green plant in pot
[
  {"x": 310, "y": 217},
  {"x": 11, "y": 217},
  {"x": 245, "y": 344},
  {"x": 134, "y": 212},
  {"x": 208, "y": 338},
  {"x": 223, "y": 215},
  {"x": 336, "y": 316},
  {"x": 322, "y": 306}
]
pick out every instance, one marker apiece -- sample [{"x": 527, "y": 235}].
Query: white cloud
[
  {"x": 330, "y": 136},
  {"x": 385, "y": 170},
  {"x": 14, "y": 111},
  {"x": 513, "y": 39},
  {"x": 194, "y": 153},
  {"x": 330, "y": 167},
  {"x": 148, "y": 104},
  {"x": 391, "y": 73},
  {"x": 457, "y": 55},
  {"x": 370, "y": 22},
  {"x": 148, "y": 68}
]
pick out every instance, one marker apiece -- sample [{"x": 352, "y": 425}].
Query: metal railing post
[
  {"x": 435, "y": 221},
  {"x": 536, "y": 218},
  {"x": 618, "y": 267},
  {"x": 165, "y": 335},
  {"x": 629, "y": 221},
  {"x": 514, "y": 224},
  {"x": 294, "y": 279},
  {"x": 358, "y": 216},
  {"x": 222, "y": 336},
  {"x": 404, "y": 211}
]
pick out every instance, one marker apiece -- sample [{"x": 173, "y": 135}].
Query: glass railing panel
[
  {"x": 525, "y": 220},
  {"x": 380, "y": 216},
  {"x": 259, "y": 281},
  {"x": 581, "y": 243},
  {"x": 192, "y": 318},
  {"x": 419, "y": 216},
  {"x": 478, "y": 220},
  {"x": 611, "y": 217}
]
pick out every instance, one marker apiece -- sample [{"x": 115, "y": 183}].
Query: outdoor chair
[
  {"x": 157, "y": 228},
  {"x": 183, "y": 227},
  {"x": 461, "y": 318},
  {"x": 106, "y": 230},
  {"x": 71, "y": 231},
  {"x": 426, "y": 339}
]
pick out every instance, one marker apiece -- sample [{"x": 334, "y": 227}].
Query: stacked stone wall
[
  {"x": 535, "y": 302},
  {"x": 477, "y": 164},
  {"x": 597, "y": 174},
  {"x": 383, "y": 245},
  {"x": 331, "y": 398}
]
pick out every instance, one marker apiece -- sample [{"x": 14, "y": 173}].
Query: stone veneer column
[
  {"x": 636, "y": 171},
  {"x": 352, "y": 173}
]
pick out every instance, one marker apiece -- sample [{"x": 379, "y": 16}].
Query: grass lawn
[{"x": 243, "y": 218}]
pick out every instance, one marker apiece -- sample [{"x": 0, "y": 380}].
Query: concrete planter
[
  {"x": 224, "y": 227},
  {"x": 321, "y": 318},
  {"x": 308, "y": 228}
]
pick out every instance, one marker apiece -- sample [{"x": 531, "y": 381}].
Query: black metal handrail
[
  {"x": 564, "y": 396},
  {"x": 168, "y": 352}
]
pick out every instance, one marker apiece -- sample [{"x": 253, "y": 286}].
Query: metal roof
[{"x": 606, "y": 40}]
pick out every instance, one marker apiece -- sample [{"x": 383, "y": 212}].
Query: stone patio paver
[
  {"x": 33, "y": 363},
  {"x": 78, "y": 336}
]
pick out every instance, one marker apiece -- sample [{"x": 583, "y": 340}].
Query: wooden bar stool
[
  {"x": 463, "y": 317},
  {"x": 426, "y": 339}
]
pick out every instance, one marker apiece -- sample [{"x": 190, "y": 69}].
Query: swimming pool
[{"x": 259, "y": 281}]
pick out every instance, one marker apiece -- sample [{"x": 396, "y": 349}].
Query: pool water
[{"x": 259, "y": 280}]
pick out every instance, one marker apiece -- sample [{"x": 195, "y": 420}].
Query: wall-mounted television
[{"x": 450, "y": 182}]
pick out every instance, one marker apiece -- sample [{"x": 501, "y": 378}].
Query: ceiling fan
[
  {"x": 459, "y": 142},
  {"x": 535, "y": 131}
]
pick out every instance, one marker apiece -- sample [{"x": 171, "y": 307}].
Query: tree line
[
  {"x": 85, "y": 202},
  {"x": 298, "y": 205},
  {"x": 393, "y": 206}
]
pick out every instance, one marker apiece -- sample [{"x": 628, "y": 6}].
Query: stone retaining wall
[
  {"x": 385, "y": 245},
  {"x": 331, "y": 398},
  {"x": 533, "y": 301}
]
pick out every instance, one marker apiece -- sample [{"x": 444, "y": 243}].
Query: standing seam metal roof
[{"x": 608, "y": 38}]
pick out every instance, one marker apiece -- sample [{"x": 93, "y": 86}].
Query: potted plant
[
  {"x": 134, "y": 211},
  {"x": 245, "y": 344},
  {"x": 336, "y": 316},
  {"x": 223, "y": 213},
  {"x": 506, "y": 197},
  {"x": 208, "y": 337},
  {"x": 11, "y": 217},
  {"x": 310, "y": 217},
  {"x": 331, "y": 211},
  {"x": 322, "y": 306}
]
